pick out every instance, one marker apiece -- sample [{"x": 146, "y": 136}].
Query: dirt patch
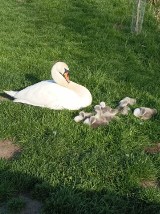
[
  {"x": 8, "y": 149},
  {"x": 149, "y": 183},
  {"x": 3, "y": 210},
  {"x": 153, "y": 149},
  {"x": 32, "y": 206}
]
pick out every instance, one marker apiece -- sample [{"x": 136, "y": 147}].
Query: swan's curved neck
[{"x": 58, "y": 78}]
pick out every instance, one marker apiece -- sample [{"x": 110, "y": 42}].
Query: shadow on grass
[
  {"x": 32, "y": 78},
  {"x": 66, "y": 199},
  {"x": 4, "y": 96}
]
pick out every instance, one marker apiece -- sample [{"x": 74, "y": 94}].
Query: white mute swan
[{"x": 59, "y": 93}]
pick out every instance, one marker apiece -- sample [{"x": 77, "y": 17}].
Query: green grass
[{"x": 78, "y": 169}]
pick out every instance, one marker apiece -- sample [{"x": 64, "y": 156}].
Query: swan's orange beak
[{"x": 66, "y": 76}]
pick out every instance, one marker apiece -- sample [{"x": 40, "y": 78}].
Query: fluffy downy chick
[{"x": 144, "y": 113}]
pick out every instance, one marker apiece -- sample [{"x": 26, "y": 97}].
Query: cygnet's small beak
[{"x": 66, "y": 75}]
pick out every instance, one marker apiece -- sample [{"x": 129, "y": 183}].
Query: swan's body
[{"x": 59, "y": 93}]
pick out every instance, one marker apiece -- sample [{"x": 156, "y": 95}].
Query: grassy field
[{"x": 70, "y": 167}]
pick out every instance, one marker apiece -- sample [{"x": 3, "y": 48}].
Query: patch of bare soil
[
  {"x": 8, "y": 149},
  {"x": 149, "y": 183},
  {"x": 32, "y": 206},
  {"x": 153, "y": 149},
  {"x": 3, "y": 210}
]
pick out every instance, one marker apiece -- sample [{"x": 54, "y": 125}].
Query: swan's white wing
[{"x": 49, "y": 94}]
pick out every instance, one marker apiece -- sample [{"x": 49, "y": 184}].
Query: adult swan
[{"x": 59, "y": 93}]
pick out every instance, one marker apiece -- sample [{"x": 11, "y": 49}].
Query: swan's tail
[{"x": 11, "y": 93}]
